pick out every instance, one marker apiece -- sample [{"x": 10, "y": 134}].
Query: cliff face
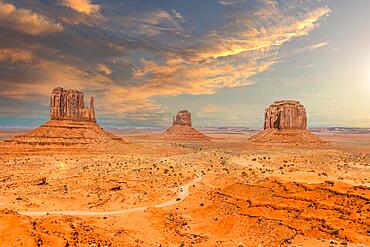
[
  {"x": 286, "y": 124},
  {"x": 182, "y": 118},
  {"x": 285, "y": 114},
  {"x": 69, "y": 105},
  {"x": 71, "y": 123}
]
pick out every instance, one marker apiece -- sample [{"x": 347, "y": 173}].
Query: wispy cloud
[
  {"x": 313, "y": 47},
  {"x": 230, "y": 55},
  {"x": 152, "y": 22},
  {"x": 15, "y": 55},
  {"x": 230, "y": 2},
  {"x": 212, "y": 109},
  {"x": 305, "y": 66}
]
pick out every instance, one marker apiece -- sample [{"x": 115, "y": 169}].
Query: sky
[{"x": 224, "y": 60}]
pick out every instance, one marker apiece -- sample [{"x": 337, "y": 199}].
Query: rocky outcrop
[
  {"x": 70, "y": 105},
  {"x": 286, "y": 123},
  {"x": 285, "y": 114},
  {"x": 182, "y": 118},
  {"x": 71, "y": 123},
  {"x": 295, "y": 137},
  {"x": 182, "y": 129},
  {"x": 67, "y": 133}
]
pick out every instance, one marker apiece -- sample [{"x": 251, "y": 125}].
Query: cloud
[
  {"x": 104, "y": 69},
  {"x": 248, "y": 34},
  {"x": 316, "y": 46},
  {"x": 43, "y": 71},
  {"x": 149, "y": 53},
  {"x": 209, "y": 110},
  {"x": 82, "y": 6},
  {"x": 153, "y": 22},
  {"x": 230, "y": 2},
  {"x": 229, "y": 57},
  {"x": 177, "y": 15},
  {"x": 15, "y": 55},
  {"x": 313, "y": 47},
  {"x": 26, "y": 21},
  {"x": 305, "y": 66},
  {"x": 212, "y": 109}
]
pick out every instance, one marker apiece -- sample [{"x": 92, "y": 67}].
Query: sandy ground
[{"x": 226, "y": 192}]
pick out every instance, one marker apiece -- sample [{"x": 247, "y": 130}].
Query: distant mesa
[
  {"x": 286, "y": 123},
  {"x": 71, "y": 123},
  {"x": 182, "y": 129}
]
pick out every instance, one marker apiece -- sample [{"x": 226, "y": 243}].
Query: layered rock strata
[
  {"x": 286, "y": 123},
  {"x": 285, "y": 114},
  {"x": 70, "y": 105},
  {"x": 182, "y": 129},
  {"x": 71, "y": 123}
]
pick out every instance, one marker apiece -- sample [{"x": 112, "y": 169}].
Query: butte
[
  {"x": 182, "y": 129},
  {"x": 286, "y": 123},
  {"x": 71, "y": 123}
]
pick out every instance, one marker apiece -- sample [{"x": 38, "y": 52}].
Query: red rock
[
  {"x": 182, "y": 129},
  {"x": 70, "y": 105},
  {"x": 71, "y": 123},
  {"x": 285, "y": 114},
  {"x": 67, "y": 133},
  {"x": 286, "y": 123},
  {"x": 182, "y": 118}
]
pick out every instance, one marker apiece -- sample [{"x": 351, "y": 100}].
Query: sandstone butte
[
  {"x": 182, "y": 129},
  {"x": 70, "y": 105},
  {"x": 71, "y": 123},
  {"x": 286, "y": 123}
]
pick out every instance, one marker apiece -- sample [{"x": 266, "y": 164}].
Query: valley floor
[{"x": 225, "y": 192}]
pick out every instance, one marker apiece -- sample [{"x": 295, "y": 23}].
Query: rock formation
[
  {"x": 286, "y": 123},
  {"x": 182, "y": 118},
  {"x": 182, "y": 129},
  {"x": 70, "y": 123},
  {"x": 285, "y": 114},
  {"x": 70, "y": 105}
]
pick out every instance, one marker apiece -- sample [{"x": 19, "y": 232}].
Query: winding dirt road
[{"x": 183, "y": 193}]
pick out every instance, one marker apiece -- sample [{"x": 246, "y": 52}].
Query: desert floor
[{"x": 226, "y": 192}]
